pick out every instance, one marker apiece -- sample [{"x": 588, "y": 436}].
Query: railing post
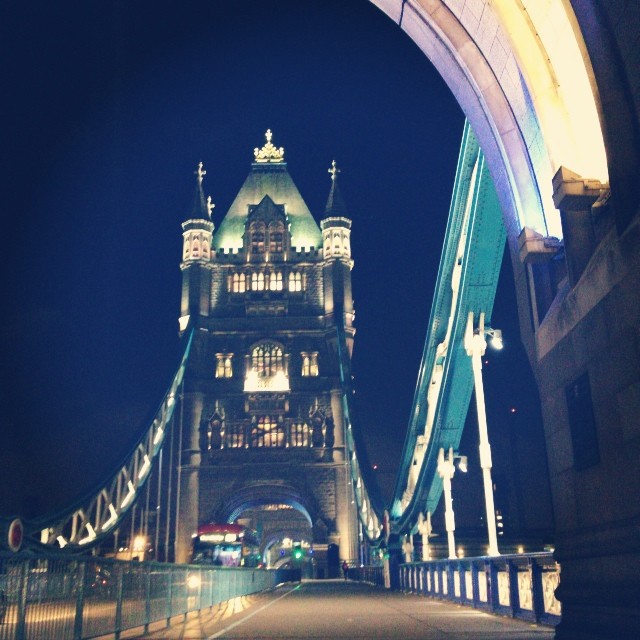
[
  {"x": 82, "y": 581},
  {"x": 475, "y": 586},
  {"x": 493, "y": 595},
  {"x": 185, "y": 593},
  {"x": 169, "y": 595},
  {"x": 514, "y": 595},
  {"x": 537, "y": 592},
  {"x": 119, "y": 590},
  {"x": 22, "y": 601},
  {"x": 147, "y": 597}
]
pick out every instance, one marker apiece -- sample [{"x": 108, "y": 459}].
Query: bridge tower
[{"x": 262, "y": 429}]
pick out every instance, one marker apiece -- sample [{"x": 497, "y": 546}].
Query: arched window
[
  {"x": 256, "y": 232},
  {"x": 224, "y": 366},
  {"x": 275, "y": 281},
  {"x": 267, "y": 360},
  {"x": 276, "y": 237},
  {"x": 195, "y": 248},
  {"x": 309, "y": 363},
  {"x": 337, "y": 242},
  {"x": 295, "y": 281},
  {"x": 257, "y": 281},
  {"x": 205, "y": 249},
  {"x": 267, "y": 368},
  {"x": 237, "y": 283}
]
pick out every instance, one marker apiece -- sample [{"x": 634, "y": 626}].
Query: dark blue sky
[{"x": 110, "y": 107}]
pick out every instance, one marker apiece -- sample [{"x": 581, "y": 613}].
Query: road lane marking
[{"x": 219, "y": 634}]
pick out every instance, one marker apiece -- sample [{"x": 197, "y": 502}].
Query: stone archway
[
  {"x": 261, "y": 494},
  {"x": 528, "y": 124},
  {"x": 278, "y": 511}
]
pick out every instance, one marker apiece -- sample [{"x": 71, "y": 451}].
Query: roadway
[{"x": 342, "y": 610}]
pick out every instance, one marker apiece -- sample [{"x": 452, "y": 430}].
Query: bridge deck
[{"x": 339, "y": 609}]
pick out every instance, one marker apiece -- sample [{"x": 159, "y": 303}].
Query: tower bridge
[{"x": 260, "y": 413}]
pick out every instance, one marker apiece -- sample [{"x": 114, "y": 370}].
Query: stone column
[
  {"x": 346, "y": 519},
  {"x": 189, "y": 416},
  {"x": 574, "y": 196},
  {"x": 338, "y": 425}
]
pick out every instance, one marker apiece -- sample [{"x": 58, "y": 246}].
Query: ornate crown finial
[
  {"x": 334, "y": 171},
  {"x": 200, "y": 172},
  {"x": 210, "y": 205},
  {"x": 269, "y": 153}
]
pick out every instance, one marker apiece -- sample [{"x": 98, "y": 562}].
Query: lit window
[
  {"x": 224, "y": 367},
  {"x": 267, "y": 369},
  {"x": 310, "y": 364},
  {"x": 276, "y": 239},
  {"x": 267, "y": 360},
  {"x": 237, "y": 283},
  {"x": 300, "y": 435},
  {"x": 257, "y": 239},
  {"x": 257, "y": 243},
  {"x": 267, "y": 433},
  {"x": 195, "y": 248},
  {"x": 275, "y": 281},
  {"x": 233, "y": 436},
  {"x": 257, "y": 281},
  {"x": 295, "y": 281}
]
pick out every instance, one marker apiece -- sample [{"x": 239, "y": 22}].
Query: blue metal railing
[
  {"x": 78, "y": 598},
  {"x": 519, "y": 586}
]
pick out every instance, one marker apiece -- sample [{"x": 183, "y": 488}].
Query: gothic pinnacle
[
  {"x": 335, "y": 204},
  {"x": 201, "y": 207}
]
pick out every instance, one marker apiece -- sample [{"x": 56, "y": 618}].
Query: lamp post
[
  {"x": 425, "y": 529},
  {"x": 446, "y": 469},
  {"x": 475, "y": 344}
]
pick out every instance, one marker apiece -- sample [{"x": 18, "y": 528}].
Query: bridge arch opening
[{"x": 521, "y": 74}]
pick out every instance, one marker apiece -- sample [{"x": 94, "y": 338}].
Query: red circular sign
[{"x": 15, "y": 534}]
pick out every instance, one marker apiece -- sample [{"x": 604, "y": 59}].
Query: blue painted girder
[{"x": 474, "y": 241}]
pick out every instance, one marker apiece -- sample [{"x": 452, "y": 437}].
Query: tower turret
[
  {"x": 336, "y": 247},
  {"x": 197, "y": 252}
]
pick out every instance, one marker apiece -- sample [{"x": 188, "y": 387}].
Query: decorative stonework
[
  {"x": 269, "y": 153},
  {"x": 550, "y": 582},
  {"x": 334, "y": 171}
]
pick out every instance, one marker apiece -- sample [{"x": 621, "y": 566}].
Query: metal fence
[
  {"x": 369, "y": 574},
  {"x": 78, "y": 598},
  {"x": 520, "y": 586}
]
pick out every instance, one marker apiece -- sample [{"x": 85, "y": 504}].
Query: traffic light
[{"x": 297, "y": 553}]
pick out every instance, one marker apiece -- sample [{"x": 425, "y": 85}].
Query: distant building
[{"x": 262, "y": 423}]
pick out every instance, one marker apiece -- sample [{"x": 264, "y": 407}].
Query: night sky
[{"x": 111, "y": 105}]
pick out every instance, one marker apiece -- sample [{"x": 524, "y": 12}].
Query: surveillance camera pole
[{"x": 475, "y": 345}]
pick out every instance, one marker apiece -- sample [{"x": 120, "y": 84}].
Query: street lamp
[
  {"x": 446, "y": 469},
  {"x": 475, "y": 344}
]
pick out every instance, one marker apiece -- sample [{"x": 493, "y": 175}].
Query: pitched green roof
[{"x": 272, "y": 179}]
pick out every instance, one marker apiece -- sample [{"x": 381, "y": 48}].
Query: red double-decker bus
[{"x": 226, "y": 545}]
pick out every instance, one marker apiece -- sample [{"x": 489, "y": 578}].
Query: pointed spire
[
  {"x": 335, "y": 207},
  {"x": 201, "y": 207}
]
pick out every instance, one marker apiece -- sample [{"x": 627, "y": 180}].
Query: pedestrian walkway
[{"x": 337, "y": 609}]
